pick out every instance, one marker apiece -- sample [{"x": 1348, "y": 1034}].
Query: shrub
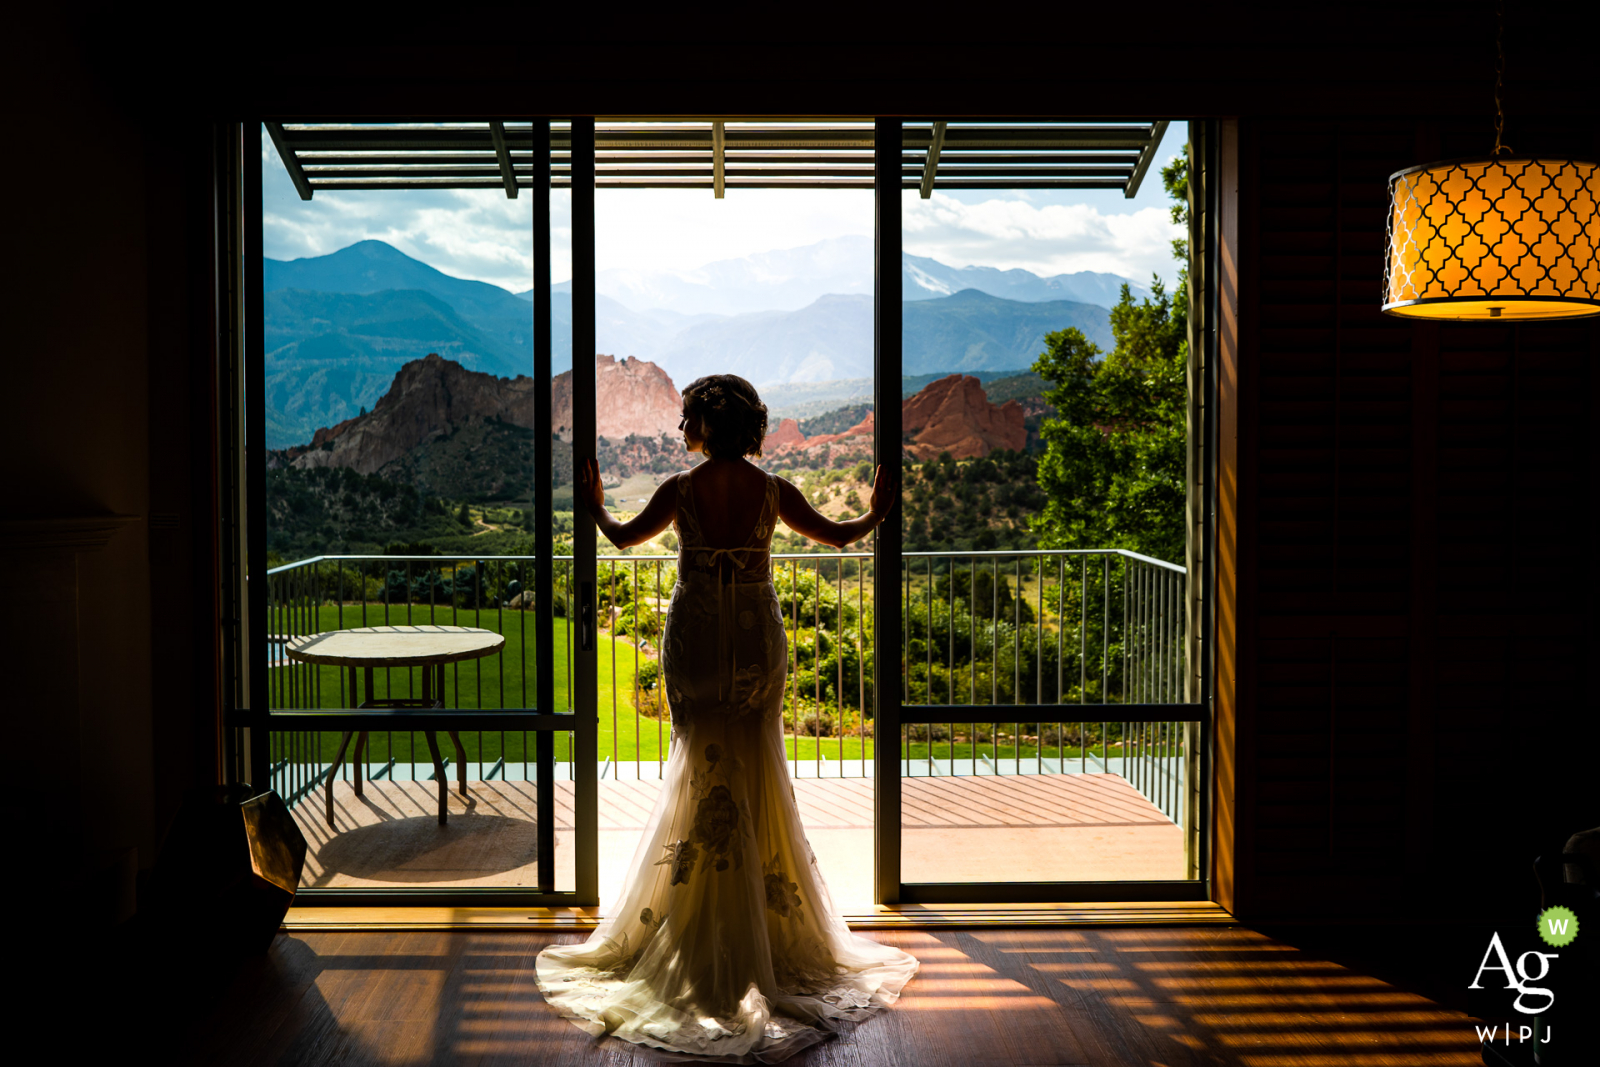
[{"x": 648, "y": 674}]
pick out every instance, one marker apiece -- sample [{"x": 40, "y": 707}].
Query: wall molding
[{"x": 73, "y": 533}]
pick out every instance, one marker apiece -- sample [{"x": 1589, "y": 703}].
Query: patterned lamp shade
[{"x": 1479, "y": 240}]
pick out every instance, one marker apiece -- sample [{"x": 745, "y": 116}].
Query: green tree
[{"x": 1114, "y": 469}]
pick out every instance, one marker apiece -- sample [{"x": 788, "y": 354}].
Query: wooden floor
[
  {"x": 1175, "y": 997},
  {"x": 1034, "y": 828}
]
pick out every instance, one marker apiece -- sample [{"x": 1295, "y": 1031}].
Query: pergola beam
[
  {"x": 947, "y": 156},
  {"x": 290, "y": 163},
  {"x": 930, "y": 166},
  {"x": 718, "y": 163},
  {"x": 1041, "y": 136},
  {"x": 1146, "y": 155},
  {"x": 508, "y": 175},
  {"x": 952, "y": 170},
  {"x": 719, "y": 154}
]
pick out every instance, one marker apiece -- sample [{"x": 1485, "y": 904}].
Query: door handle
[{"x": 586, "y": 616}]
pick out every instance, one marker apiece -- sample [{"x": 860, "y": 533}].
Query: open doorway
[
  {"x": 733, "y": 260},
  {"x": 763, "y": 248}
]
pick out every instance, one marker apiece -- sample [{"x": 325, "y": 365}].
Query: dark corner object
[{"x": 230, "y": 866}]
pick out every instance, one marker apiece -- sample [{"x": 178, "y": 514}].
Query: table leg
[
  {"x": 333, "y": 773},
  {"x": 461, "y": 762},
  {"x": 438, "y": 776},
  {"x": 357, "y": 763}
]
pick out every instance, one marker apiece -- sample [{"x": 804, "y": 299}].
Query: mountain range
[
  {"x": 789, "y": 279},
  {"x": 339, "y": 326}
]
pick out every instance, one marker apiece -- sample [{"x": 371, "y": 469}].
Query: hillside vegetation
[
  {"x": 836, "y": 421},
  {"x": 311, "y": 512},
  {"x": 979, "y": 504}
]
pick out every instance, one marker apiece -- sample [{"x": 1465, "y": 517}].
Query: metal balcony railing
[
  {"x": 1013, "y": 636},
  {"x": 1034, "y": 636}
]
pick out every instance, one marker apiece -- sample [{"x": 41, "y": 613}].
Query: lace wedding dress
[{"x": 724, "y": 943}]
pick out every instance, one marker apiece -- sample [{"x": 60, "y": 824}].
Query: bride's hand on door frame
[
  {"x": 656, "y": 516},
  {"x": 885, "y": 492},
  {"x": 590, "y": 491}
]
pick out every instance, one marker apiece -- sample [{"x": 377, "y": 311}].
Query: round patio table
[{"x": 370, "y": 648}]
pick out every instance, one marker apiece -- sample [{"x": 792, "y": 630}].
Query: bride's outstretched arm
[
  {"x": 798, "y": 514},
  {"x": 656, "y": 516}
]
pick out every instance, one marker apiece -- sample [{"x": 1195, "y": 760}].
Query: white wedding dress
[{"x": 723, "y": 943}]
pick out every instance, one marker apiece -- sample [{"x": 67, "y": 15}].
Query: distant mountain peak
[
  {"x": 922, "y": 278},
  {"x": 372, "y": 266}
]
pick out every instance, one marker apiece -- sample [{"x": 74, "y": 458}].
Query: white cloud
[
  {"x": 1045, "y": 239},
  {"x": 683, "y": 229},
  {"x": 468, "y": 233}
]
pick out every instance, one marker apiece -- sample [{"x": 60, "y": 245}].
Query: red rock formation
[
  {"x": 864, "y": 428},
  {"x": 953, "y": 415},
  {"x": 631, "y": 397},
  {"x": 428, "y": 398},
  {"x": 787, "y": 435},
  {"x": 432, "y": 397}
]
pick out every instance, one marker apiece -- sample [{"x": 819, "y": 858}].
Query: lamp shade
[{"x": 1494, "y": 239}]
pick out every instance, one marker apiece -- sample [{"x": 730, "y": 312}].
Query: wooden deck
[{"x": 1081, "y": 827}]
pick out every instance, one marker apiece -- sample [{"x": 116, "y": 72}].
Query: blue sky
[{"x": 483, "y": 235}]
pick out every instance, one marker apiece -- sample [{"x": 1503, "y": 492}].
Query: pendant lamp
[{"x": 1500, "y": 239}]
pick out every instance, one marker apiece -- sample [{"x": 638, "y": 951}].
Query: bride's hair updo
[{"x": 731, "y": 413}]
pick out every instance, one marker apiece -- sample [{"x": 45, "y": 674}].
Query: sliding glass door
[
  {"x": 1039, "y": 735},
  {"x": 418, "y": 773}
]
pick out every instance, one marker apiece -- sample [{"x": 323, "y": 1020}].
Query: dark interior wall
[
  {"x": 107, "y": 378},
  {"x": 77, "y": 443},
  {"x": 182, "y": 302},
  {"x": 1415, "y": 504}
]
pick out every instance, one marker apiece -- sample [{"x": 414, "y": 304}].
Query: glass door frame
[
  {"x": 891, "y": 713},
  {"x": 242, "y": 432},
  {"x": 247, "y": 651}
]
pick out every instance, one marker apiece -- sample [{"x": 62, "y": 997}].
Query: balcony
[{"x": 1019, "y": 636}]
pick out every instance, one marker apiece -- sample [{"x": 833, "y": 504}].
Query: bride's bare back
[{"x": 728, "y": 498}]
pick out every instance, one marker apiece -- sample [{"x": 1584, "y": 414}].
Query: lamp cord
[{"x": 1499, "y": 77}]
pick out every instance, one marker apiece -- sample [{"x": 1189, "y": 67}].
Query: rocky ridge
[
  {"x": 952, "y": 415},
  {"x": 429, "y": 398},
  {"x": 633, "y": 397},
  {"x": 787, "y": 434},
  {"x": 434, "y": 398},
  {"x": 456, "y": 432}
]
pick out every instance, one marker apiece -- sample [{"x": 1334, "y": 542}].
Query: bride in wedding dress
[{"x": 724, "y": 943}]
